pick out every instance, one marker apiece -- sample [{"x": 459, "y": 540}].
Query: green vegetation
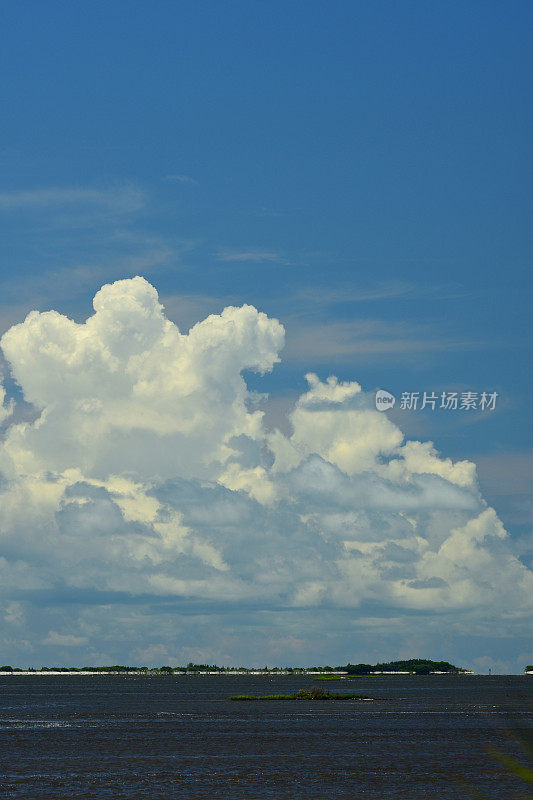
[
  {"x": 115, "y": 668},
  {"x": 330, "y": 677},
  {"x": 313, "y": 693},
  {"x": 416, "y": 666},
  {"x": 529, "y": 668}
]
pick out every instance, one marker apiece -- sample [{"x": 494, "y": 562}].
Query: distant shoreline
[
  {"x": 157, "y": 673},
  {"x": 179, "y": 674},
  {"x": 413, "y": 666}
]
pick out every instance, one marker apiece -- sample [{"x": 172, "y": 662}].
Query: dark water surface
[{"x": 158, "y": 738}]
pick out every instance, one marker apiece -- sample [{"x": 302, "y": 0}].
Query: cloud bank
[{"x": 146, "y": 512}]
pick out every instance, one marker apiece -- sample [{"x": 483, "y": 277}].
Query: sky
[{"x": 230, "y": 224}]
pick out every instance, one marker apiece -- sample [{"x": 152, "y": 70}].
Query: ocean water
[{"x": 158, "y": 738}]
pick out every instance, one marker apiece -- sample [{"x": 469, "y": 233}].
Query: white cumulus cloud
[{"x": 147, "y": 477}]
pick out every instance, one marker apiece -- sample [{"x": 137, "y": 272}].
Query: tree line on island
[{"x": 415, "y": 666}]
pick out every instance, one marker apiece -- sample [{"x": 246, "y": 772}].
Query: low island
[{"x": 313, "y": 693}]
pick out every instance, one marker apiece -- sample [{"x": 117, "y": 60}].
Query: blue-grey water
[{"x": 158, "y": 738}]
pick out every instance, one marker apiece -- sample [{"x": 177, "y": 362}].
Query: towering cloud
[{"x": 148, "y": 477}]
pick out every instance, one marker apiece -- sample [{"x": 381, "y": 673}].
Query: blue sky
[{"x": 358, "y": 171}]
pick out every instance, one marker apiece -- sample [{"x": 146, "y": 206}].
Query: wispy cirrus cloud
[
  {"x": 322, "y": 296},
  {"x": 180, "y": 179},
  {"x": 257, "y": 256},
  {"x": 122, "y": 200},
  {"x": 336, "y": 341}
]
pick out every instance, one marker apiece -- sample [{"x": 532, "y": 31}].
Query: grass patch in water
[{"x": 314, "y": 693}]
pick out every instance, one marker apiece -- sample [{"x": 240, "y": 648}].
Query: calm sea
[{"x": 180, "y": 737}]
